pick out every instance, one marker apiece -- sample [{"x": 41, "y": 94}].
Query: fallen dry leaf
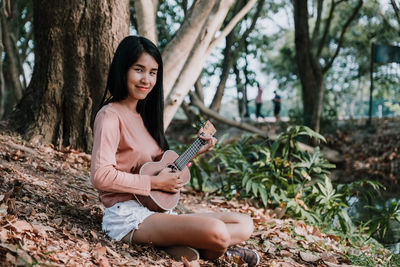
[
  {"x": 57, "y": 219},
  {"x": 309, "y": 257},
  {"x": 22, "y": 226}
]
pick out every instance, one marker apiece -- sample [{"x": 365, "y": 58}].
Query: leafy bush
[
  {"x": 295, "y": 182},
  {"x": 382, "y": 218},
  {"x": 281, "y": 175}
]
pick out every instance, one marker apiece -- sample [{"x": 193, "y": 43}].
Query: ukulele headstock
[{"x": 208, "y": 128}]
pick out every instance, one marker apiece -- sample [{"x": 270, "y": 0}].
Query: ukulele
[{"x": 161, "y": 201}]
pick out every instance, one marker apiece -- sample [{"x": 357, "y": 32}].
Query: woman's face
[{"x": 142, "y": 76}]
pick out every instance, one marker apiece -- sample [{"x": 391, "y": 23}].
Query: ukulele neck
[{"x": 189, "y": 153}]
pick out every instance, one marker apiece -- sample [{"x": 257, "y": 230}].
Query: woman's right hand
[{"x": 167, "y": 180}]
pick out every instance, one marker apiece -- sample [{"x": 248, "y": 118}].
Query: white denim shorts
[{"x": 124, "y": 217}]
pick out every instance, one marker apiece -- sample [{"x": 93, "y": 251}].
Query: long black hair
[{"x": 151, "y": 108}]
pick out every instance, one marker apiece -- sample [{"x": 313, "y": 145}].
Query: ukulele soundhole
[{"x": 172, "y": 167}]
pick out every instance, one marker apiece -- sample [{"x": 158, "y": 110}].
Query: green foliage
[
  {"x": 276, "y": 174},
  {"x": 281, "y": 175},
  {"x": 377, "y": 258},
  {"x": 382, "y": 218}
]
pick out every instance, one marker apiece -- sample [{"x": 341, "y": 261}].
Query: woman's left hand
[{"x": 211, "y": 141}]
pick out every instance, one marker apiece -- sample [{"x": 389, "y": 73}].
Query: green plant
[
  {"x": 276, "y": 174},
  {"x": 383, "y": 217},
  {"x": 297, "y": 181},
  {"x": 295, "y": 116}
]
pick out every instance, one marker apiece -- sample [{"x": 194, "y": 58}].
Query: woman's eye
[
  {"x": 138, "y": 70},
  {"x": 153, "y": 73}
]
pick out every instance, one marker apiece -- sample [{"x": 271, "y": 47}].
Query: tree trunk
[
  {"x": 232, "y": 50},
  {"x": 246, "y": 82},
  {"x": 310, "y": 71},
  {"x": 74, "y": 45},
  {"x": 11, "y": 58},
  {"x": 227, "y": 64},
  {"x": 2, "y": 89},
  {"x": 180, "y": 78},
  {"x": 146, "y": 18},
  {"x": 177, "y": 51},
  {"x": 196, "y": 60},
  {"x": 240, "y": 92},
  {"x": 198, "y": 88}
]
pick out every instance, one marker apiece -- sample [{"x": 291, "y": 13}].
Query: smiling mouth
[{"x": 143, "y": 88}]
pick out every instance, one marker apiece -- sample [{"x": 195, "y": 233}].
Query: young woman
[{"x": 128, "y": 132}]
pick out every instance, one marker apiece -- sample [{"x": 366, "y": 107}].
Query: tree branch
[
  {"x": 11, "y": 58},
  {"x": 198, "y": 87},
  {"x": 230, "y": 56},
  {"x": 330, "y": 154},
  {"x": 190, "y": 114},
  {"x": 341, "y": 39},
  {"x": 231, "y": 25},
  {"x": 326, "y": 29},
  {"x": 20, "y": 61},
  {"x": 396, "y": 10},
  {"x": 146, "y": 18},
  {"x": 318, "y": 22},
  {"x": 241, "y": 125}
]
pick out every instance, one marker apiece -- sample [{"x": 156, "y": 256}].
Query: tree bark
[
  {"x": 231, "y": 52},
  {"x": 146, "y": 18},
  {"x": 196, "y": 60},
  {"x": 227, "y": 64},
  {"x": 198, "y": 88},
  {"x": 74, "y": 44},
  {"x": 11, "y": 58},
  {"x": 246, "y": 82},
  {"x": 2, "y": 89},
  {"x": 177, "y": 51},
  {"x": 240, "y": 91},
  {"x": 189, "y": 112},
  {"x": 311, "y": 72}
]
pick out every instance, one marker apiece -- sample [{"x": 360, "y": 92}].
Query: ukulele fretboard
[{"x": 186, "y": 156}]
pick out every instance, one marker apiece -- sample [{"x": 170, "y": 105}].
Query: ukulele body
[{"x": 161, "y": 201}]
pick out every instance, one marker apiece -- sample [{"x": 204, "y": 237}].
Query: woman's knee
[
  {"x": 247, "y": 226},
  {"x": 218, "y": 235}
]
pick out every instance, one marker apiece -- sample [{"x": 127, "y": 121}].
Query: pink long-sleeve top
[{"x": 121, "y": 146}]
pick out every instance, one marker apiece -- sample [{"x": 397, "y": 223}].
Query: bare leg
[
  {"x": 240, "y": 226},
  {"x": 211, "y": 233}
]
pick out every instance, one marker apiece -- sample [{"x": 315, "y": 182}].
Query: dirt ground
[
  {"x": 50, "y": 216},
  {"x": 369, "y": 152}
]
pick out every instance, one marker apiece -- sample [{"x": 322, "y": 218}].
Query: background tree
[
  {"x": 235, "y": 42},
  {"x": 16, "y": 24},
  {"x": 191, "y": 56},
  {"x": 185, "y": 53},
  {"x": 74, "y": 43},
  {"x": 310, "y": 48},
  {"x": 347, "y": 82}
]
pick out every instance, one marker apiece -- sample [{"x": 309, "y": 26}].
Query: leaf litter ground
[{"x": 50, "y": 216}]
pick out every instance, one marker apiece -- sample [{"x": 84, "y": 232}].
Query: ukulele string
[{"x": 189, "y": 153}]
